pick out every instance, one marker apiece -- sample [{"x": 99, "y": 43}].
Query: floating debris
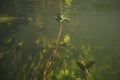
[
  {"x": 61, "y": 18},
  {"x": 19, "y": 46},
  {"x": 30, "y": 19}
]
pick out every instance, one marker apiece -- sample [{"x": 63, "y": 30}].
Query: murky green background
[{"x": 28, "y": 31}]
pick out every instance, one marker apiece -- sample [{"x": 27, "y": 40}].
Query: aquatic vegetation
[
  {"x": 68, "y": 3},
  {"x": 66, "y": 38},
  {"x": 71, "y": 59},
  {"x": 62, "y": 67},
  {"x": 66, "y": 41}
]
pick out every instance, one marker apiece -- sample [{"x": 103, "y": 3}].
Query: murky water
[{"x": 89, "y": 43}]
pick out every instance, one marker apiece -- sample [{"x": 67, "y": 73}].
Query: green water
[{"x": 28, "y": 31}]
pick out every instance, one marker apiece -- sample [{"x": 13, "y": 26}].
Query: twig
[
  {"x": 56, "y": 46},
  {"x": 53, "y": 53}
]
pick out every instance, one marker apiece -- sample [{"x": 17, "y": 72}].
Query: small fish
[{"x": 19, "y": 46}]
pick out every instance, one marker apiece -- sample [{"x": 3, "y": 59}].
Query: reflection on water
[{"x": 28, "y": 33}]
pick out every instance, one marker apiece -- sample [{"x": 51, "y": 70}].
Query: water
[{"x": 29, "y": 31}]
